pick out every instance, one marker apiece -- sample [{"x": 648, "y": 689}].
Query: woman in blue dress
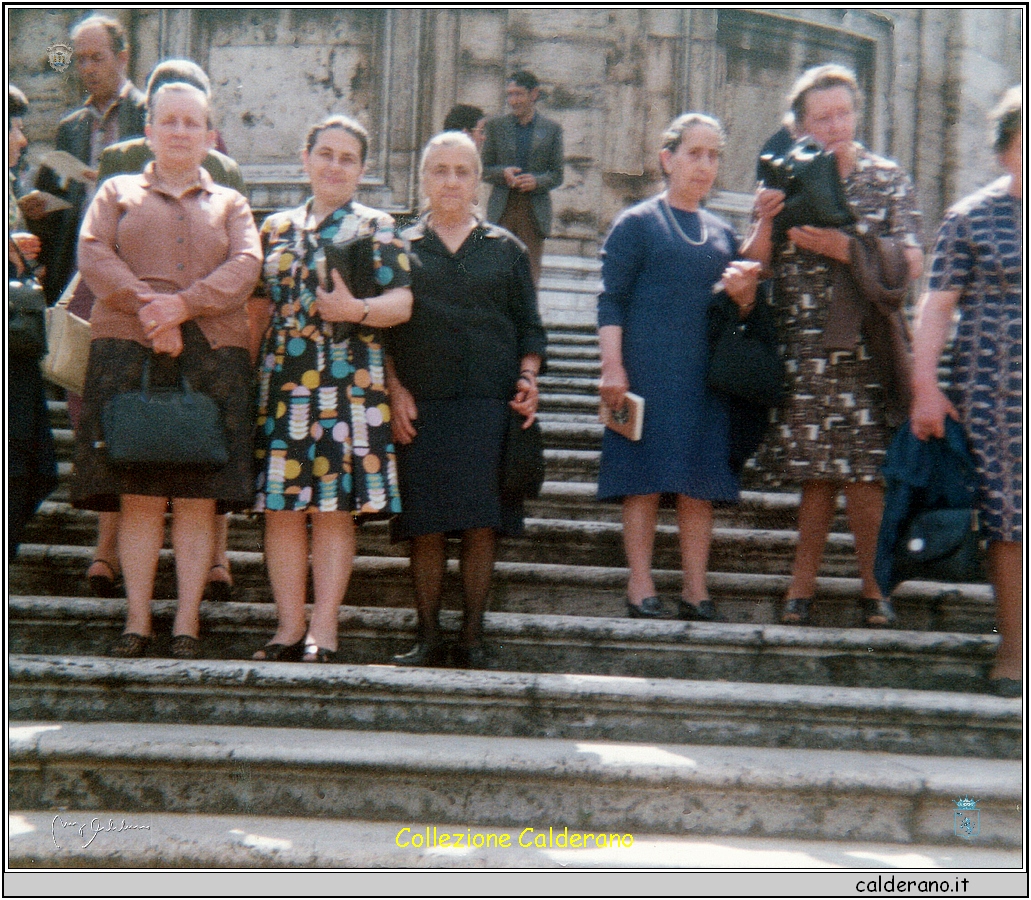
[
  {"x": 978, "y": 269},
  {"x": 660, "y": 264}
]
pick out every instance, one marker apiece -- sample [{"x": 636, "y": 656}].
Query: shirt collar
[{"x": 151, "y": 182}]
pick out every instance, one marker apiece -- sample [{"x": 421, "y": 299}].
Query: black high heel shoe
[
  {"x": 648, "y": 608},
  {"x": 281, "y": 652},
  {"x": 704, "y": 612}
]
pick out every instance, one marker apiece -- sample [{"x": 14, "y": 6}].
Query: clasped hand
[
  {"x": 338, "y": 305},
  {"x": 161, "y": 317},
  {"x": 525, "y": 400},
  {"x": 519, "y": 180},
  {"x": 740, "y": 280}
]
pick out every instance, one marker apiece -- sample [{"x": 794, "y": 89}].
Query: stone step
[
  {"x": 551, "y": 541},
  {"x": 190, "y": 841},
  {"x": 575, "y": 707},
  {"x": 557, "y": 644},
  {"x": 508, "y": 782},
  {"x": 529, "y": 587}
]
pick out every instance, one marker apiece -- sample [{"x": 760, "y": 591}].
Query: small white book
[{"x": 628, "y": 420}]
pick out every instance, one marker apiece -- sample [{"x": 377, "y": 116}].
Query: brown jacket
[{"x": 866, "y": 302}]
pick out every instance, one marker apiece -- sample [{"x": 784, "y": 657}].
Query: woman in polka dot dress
[{"x": 323, "y": 444}]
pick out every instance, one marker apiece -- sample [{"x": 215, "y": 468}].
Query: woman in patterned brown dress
[{"x": 831, "y": 433}]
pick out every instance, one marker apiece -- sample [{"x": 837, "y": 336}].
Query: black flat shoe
[
  {"x": 218, "y": 591},
  {"x": 130, "y": 646},
  {"x": 648, "y": 608},
  {"x": 703, "y": 612},
  {"x": 1006, "y": 687},
  {"x": 313, "y": 653},
  {"x": 877, "y": 609},
  {"x": 184, "y": 646},
  {"x": 474, "y": 657},
  {"x": 281, "y": 652},
  {"x": 424, "y": 653},
  {"x": 103, "y": 584},
  {"x": 795, "y": 611}
]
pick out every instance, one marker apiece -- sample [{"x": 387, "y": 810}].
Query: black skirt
[
  {"x": 225, "y": 375},
  {"x": 449, "y": 474}
]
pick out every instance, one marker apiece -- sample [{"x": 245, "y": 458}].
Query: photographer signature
[{"x": 88, "y": 831}]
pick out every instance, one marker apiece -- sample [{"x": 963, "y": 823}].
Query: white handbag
[{"x": 68, "y": 340}]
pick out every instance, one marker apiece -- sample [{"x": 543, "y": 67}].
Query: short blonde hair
[
  {"x": 178, "y": 87},
  {"x": 821, "y": 78},
  {"x": 450, "y": 139}
]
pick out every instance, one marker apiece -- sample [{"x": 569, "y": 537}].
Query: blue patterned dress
[
  {"x": 323, "y": 440},
  {"x": 978, "y": 254}
]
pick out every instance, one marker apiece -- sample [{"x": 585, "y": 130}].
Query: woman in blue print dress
[
  {"x": 660, "y": 263},
  {"x": 323, "y": 443},
  {"x": 978, "y": 269}
]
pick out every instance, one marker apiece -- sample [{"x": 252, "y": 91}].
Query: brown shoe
[
  {"x": 130, "y": 646},
  {"x": 185, "y": 646}
]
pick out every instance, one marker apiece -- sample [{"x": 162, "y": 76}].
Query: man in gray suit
[{"x": 522, "y": 159}]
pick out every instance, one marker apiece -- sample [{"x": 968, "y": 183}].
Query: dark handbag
[
  {"x": 26, "y": 318},
  {"x": 940, "y": 545},
  {"x": 164, "y": 427},
  {"x": 355, "y": 261},
  {"x": 812, "y": 187},
  {"x": 522, "y": 460},
  {"x": 744, "y": 362}
]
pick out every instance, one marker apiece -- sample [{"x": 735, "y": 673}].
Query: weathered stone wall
[{"x": 612, "y": 77}]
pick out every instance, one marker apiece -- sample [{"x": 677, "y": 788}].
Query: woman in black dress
[{"x": 473, "y": 348}]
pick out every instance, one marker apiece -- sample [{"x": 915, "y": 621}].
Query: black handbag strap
[{"x": 145, "y": 380}]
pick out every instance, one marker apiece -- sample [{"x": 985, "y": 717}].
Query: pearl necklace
[{"x": 676, "y": 225}]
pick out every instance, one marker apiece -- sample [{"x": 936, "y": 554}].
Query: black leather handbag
[
  {"x": 522, "y": 460},
  {"x": 164, "y": 427},
  {"x": 744, "y": 362},
  {"x": 812, "y": 187},
  {"x": 940, "y": 545},
  {"x": 26, "y": 318}
]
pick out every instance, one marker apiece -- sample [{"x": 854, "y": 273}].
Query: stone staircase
[{"x": 744, "y": 731}]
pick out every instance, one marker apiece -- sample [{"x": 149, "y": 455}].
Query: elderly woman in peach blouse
[{"x": 172, "y": 258}]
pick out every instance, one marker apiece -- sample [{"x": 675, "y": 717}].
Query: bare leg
[
  {"x": 815, "y": 514},
  {"x": 220, "y": 552},
  {"x": 193, "y": 527},
  {"x": 332, "y": 559},
  {"x": 143, "y": 532},
  {"x": 864, "y": 507},
  {"x": 1004, "y": 572},
  {"x": 286, "y": 555},
  {"x": 477, "y": 564},
  {"x": 640, "y": 516},
  {"x": 106, "y": 555},
  {"x": 694, "y": 518}
]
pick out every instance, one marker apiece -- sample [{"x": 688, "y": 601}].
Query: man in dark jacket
[
  {"x": 522, "y": 158},
  {"x": 113, "y": 111}
]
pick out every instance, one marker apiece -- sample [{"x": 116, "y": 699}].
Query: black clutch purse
[
  {"x": 744, "y": 362},
  {"x": 812, "y": 187},
  {"x": 940, "y": 545},
  {"x": 356, "y": 265},
  {"x": 26, "y": 318},
  {"x": 522, "y": 460},
  {"x": 164, "y": 427}
]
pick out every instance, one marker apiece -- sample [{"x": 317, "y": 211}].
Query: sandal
[
  {"x": 313, "y": 653},
  {"x": 272, "y": 652},
  {"x": 130, "y": 646},
  {"x": 103, "y": 584},
  {"x": 877, "y": 613},
  {"x": 185, "y": 646},
  {"x": 795, "y": 611},
  {"x": 219, "y": 590}
]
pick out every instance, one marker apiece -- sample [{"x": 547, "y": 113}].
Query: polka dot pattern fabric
[{"x": 323, "y": 440}]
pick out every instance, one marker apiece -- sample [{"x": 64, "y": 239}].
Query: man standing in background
[
  {"x": 113, "y": 111},
  {"x": 522, "y": 159}
]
